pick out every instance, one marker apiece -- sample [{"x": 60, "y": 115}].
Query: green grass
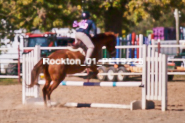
[
  {"x": 8, "y": 81},
  {"x": 179, "y": 77}
]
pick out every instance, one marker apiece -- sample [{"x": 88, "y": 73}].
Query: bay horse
[{"x": 56, "y": 73}]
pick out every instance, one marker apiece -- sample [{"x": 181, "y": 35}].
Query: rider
[{"x": 82, "y": 33}]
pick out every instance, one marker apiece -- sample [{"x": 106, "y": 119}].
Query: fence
[{"x": 154, "y": 80}]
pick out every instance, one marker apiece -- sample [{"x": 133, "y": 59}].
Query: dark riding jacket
[{"x": 85, "y": 26}]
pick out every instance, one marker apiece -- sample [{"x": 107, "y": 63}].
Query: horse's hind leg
[
  {"x": 47, "y": 84},
  {"x": 44, "y": 90},
  {"x": 53, "y": 86}
]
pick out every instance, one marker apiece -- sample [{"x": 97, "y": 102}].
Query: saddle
[{"x": 79, "y": 46}]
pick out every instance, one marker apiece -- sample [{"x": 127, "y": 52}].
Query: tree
[
  {"x": 44, "y": 14},
  {"x": 109, "y": 15}
]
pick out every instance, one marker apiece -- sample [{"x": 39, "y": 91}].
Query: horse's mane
[{"x": 102, "y": 35}]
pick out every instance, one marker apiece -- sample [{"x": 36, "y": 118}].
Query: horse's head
[{"x": 109, "y": 40}]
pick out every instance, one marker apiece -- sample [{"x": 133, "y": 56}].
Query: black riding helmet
[{"x": 85, "y": 15}]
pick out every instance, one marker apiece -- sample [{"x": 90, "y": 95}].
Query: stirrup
[{"x": 86, "y": 64}]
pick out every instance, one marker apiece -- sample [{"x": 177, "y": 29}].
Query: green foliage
[
  {"x": 165, "y": 21},
  {"x": 46, "y": 14}
]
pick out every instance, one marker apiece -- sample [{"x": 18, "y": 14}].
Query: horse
[{"x": 56, "y": 73}]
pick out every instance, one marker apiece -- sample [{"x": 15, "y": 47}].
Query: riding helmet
[{"x": 85, "y": 15}]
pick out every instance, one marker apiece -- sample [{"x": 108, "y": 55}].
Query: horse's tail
[{"x": 35, "y": 73}]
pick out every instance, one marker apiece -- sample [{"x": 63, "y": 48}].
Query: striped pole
[
  {"x": 133, "y": 43},
  {"x": 159, "y": 47},
  {"x": 130, "y": 43},
  {"x": 104, "y": 83},
  {"x": 96, "y": 105},
  {"x": 133, "y": 105}
]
